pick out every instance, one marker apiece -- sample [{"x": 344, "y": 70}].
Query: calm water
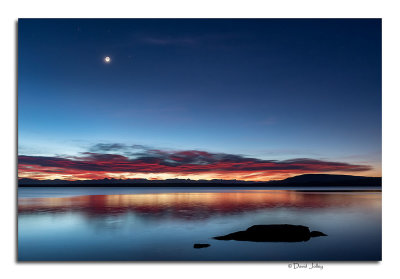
[{"x": 156, "y": 224}]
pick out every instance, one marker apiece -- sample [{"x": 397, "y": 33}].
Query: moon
[{"x": 107, "y": 59}]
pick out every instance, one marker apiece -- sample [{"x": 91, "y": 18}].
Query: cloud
[
  {"x": 98, "y": 162},
  {"x": 104, "y": 147},
  {"x": 107, "y": 147}
]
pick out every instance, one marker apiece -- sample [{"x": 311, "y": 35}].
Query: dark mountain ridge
[{"x": 300, "y": 180}]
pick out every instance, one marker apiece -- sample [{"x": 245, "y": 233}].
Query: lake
[{"x": 163, "y": 224}]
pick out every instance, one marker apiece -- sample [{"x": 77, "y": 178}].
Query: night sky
[{"x": 251, "y": 99}]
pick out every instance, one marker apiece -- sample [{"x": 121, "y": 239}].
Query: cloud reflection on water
[{"x": 194, "y": 205}]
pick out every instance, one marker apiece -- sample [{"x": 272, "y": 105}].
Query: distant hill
[
  {"x": 300, "y": 180},
  {"x": 328, "y": 180}
]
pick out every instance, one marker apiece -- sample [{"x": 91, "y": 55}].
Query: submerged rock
[
  {"x": 273, "y": 233},
  {"x": 201, "y": 245}
]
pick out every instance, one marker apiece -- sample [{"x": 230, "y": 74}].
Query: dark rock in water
[
  {"x": 272, "y": 233},
  {"x": 200, "y": 245},
  {"x": 317, "y": 233}
]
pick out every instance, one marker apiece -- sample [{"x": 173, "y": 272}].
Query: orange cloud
[{"x": 159, "y": 164}]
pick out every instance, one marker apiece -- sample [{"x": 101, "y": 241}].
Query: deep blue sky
[{"x": 271, "y": 89}]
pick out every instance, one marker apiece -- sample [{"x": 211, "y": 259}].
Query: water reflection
[
  {"x": 106, "y": 224},
  {"x": 194, "y": 205}
]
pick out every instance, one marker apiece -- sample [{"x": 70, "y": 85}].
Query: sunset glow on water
[{"x": 163, "y": 225}]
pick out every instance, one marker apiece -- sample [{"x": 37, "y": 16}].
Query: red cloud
[{"x": 93, "y": 165}]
